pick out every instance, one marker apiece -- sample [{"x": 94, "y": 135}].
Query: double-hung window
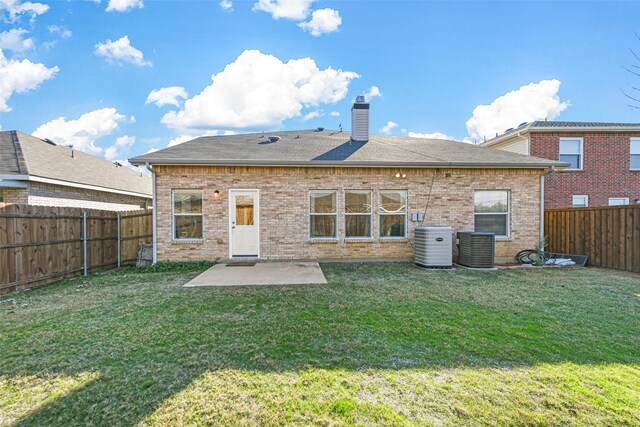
[
  {"x": 323, "y": 214},
  {"x": 187, "y": 214},
  {"x": 393, "y": 214},
  {"x": 357, "y": 214},
  {"x": 618, "y": 201},
  {"x": 571, "y": 152},
  {"x": 634, "y": 156},
  {"x": 580, "y": 201},
  {"x": 491, "y": 209}
]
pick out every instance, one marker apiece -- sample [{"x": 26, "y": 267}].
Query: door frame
[{"x": 256, "y": 217}]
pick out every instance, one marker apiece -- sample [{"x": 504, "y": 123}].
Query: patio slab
[{"x": 265, "y": 273}]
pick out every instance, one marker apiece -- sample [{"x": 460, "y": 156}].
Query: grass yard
[{"x": 380, "y": 344}]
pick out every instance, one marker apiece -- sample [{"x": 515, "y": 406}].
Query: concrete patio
[{"x": 267, "y": 273}]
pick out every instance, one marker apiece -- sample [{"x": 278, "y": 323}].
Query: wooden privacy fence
[
  {"x": 42, "y": 244},
  {"x": 608, "y": 235}
]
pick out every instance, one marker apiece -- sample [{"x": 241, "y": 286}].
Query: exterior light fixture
[
  {"x": 398, "y": 175},
  {"x": 216, "y": 194},
  {"x": 404, "y": 175}
]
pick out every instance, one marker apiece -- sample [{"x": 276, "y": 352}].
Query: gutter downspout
[
  {"x": 542, "y": 236},
  {"x": 154, "y": 219}
]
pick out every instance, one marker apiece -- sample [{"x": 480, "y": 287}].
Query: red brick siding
[{"x": 605, "y": 168}]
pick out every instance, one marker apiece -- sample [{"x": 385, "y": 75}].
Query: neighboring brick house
[
  {"x": 604, "y": 158},
  {"x": 320, "y": 194},
  {"x": 38, "y": 172}
]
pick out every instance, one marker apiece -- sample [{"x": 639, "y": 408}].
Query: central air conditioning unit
[
  {"x": 434, "y": 247},
  {"x": 476, "y": 249}
]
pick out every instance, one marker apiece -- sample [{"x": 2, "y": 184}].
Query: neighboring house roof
[
  {"x": 335, "y": 148},
  {"x": 554, "y": 126},
  {"x": 27, "y": 158}
]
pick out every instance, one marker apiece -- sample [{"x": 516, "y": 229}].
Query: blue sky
[{"x": 69, "y": 73}]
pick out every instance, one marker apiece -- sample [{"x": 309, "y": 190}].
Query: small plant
[{"x": 539, "y": 258}]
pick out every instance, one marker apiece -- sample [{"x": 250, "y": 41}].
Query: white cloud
[
  {"x": 63, "y": 32},
  {"x": 322, "y": 21},
  {"x": 434, "y": 135},
  {"x": 260, "y": 91},
  {"x": 167, "y": 96},
  {"x": 334, "y": 114},
  {"x": 534, "y": 101},
  {"x": 82, "y": 132},
  {"x": 312, "y": 115},
  {"x": 19, "y": 77},
  {"x": 288, "y": 9},
  {"x": 123, "y": 5},
  {"x": 121, "y": 52},
  {"x": 14, "y": 40},
  {"x": 121, "y": 146},
  {"x": 16, "y": 7},
  {"x": 372, "y": 93},
  {"x": 226, "y": 5},
  {"x": 386, "y": 129}
]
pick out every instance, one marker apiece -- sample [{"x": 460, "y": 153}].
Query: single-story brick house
[
  {"x": 39, "y": 172},
  {"x": 326, "y": 195},
  {"x": 604, "y": 160}
]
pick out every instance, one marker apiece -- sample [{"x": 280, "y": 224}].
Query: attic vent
[
  {"x": 117, "y": 164},
  {"x": 48, "y": 141},
  {"x": 509, "y": 130},
  {"x": 522, "y": 124},
  {"x": 274, "y": 138},
  {"x": 319, "y": 129}
]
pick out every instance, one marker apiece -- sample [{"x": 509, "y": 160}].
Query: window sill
[
  {"x": 188, "y": 242},
  {"x": 358, "y": 240},
  {"x": 393, "y": 240},
  {"x": 322, "y": 241}
]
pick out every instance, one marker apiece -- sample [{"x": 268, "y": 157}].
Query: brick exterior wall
[
  {"x": 605, "y": 171},
  {"x": 41, "y": 194},
  {"x": 284, "y": 208}
]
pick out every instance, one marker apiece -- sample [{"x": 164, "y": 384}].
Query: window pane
[
  {"x": 574, "y": 160},
  {"x": 570, "y": 146},
  {"x": 635, "y": 161},
  {"x": 580, "y": 201},
  {"x": 188, "y": 227},
  {"x": 323, "y": 202},
  {"x": 358, "y": 226},
  {"x": 392, "y": 225},
  {"x": 393, "y": 201},
  {"x": 491, "y": 201},
  {"x": 244, "y": 210},
  {"x": 323, "y": 226},
  {"x": 187, "y": 202},
  {"x": 357, "y": 201},
  {"x": 492, "y": 224},
  {"x": 635, "y": 146}
]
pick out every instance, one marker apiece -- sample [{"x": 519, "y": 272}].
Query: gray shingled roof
[
  {"x": 22, "y": 154},
  {"x": 328, "y": 148},
  {"x": 568, "y": 126}
]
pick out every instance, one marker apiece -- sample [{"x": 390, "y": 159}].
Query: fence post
[
  {"x": 118, "y": 239},
  {"x": 84, "y": 242}
]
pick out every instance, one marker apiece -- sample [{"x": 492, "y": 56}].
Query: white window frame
[
  {"x": 631, "y": 153},
  {"x": 625, "y": 201},
  {"x": 335, "y": 214},
  {"x": 507, "y": 213},
  {"x": 581, "y": 154},
  {"x": 381, "y": 214},
  {"x": 174, "y": 214},
  {"x": 347, "y": 214},
  {"x": 573, "y": 201}
]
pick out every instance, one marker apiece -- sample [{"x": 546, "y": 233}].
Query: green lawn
[{"x": 380, "y": 344}]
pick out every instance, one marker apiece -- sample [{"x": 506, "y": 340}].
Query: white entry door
[{"x": 244, "y": 223}]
